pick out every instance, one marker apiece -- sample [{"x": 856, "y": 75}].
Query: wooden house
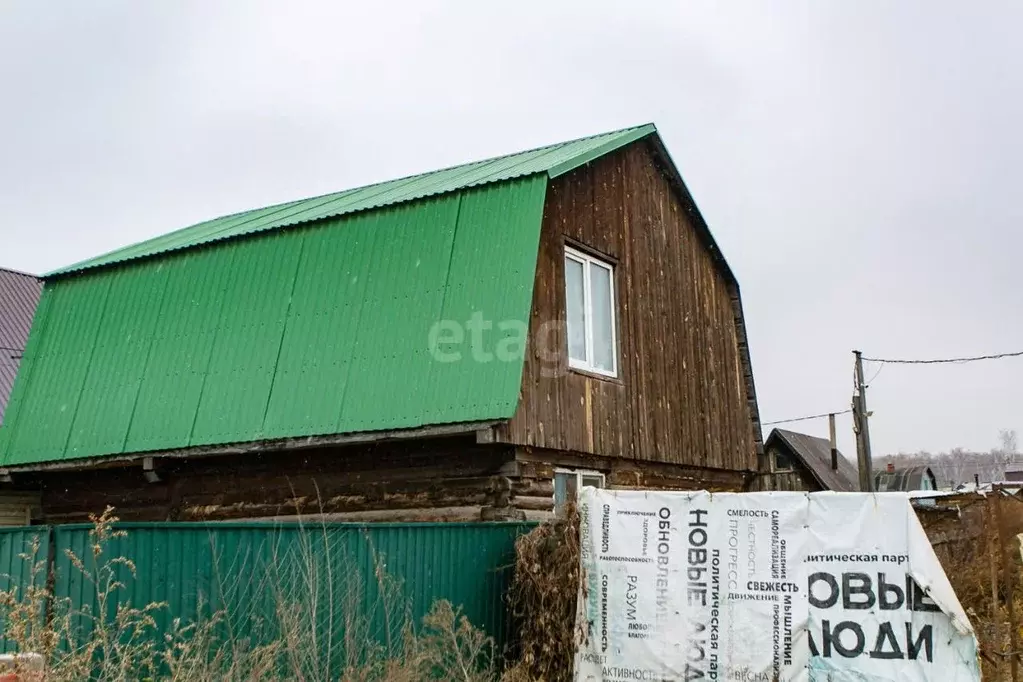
[
  {"x": 475, "y": 342},
  {"x": 797, "y": 461}
]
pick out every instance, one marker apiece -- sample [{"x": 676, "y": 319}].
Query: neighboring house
[
  {"x": 19, "y": 294},
  {"x": 474, "y": 342},
  {"x": 1014, "y": 474},
  {"x": 905, "y": 479},
  {"x": 796, "y": 461}
]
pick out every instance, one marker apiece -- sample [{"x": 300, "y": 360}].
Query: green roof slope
[
  {"x": 216, "y": 334},
  {"x": 318, "y": 330},
  {"x": 552, "y": 160}
]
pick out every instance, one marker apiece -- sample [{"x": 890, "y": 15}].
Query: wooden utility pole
[{"x": 860, "y": 416}]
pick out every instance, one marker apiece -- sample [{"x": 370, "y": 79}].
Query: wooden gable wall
[{"x": 683, "y": 393}]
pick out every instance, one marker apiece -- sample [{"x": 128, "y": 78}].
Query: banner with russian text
[{"x": 764, "y": 587}]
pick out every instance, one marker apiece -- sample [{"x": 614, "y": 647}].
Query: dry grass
[
  {"x": 971, "y": 556},
  {"x": 543, "y": 599},
  {"x": 321, "y": 629}
]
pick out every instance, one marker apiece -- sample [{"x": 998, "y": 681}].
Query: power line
[
  {"x": 875, "y": 374},
  {"x": 947, "y": 361},
  {"x": 803, "y": 419}
]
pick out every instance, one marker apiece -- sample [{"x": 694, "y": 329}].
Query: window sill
[{"x": 596, "y": 375}]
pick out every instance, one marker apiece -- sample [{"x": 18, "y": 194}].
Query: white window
[
  {"x": 567, "y": 484},
  {"x": 589, "y": 299}
]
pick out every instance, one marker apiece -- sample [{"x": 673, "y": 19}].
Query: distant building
[
  {"x": 905, "y": 479},
  {"x": 19, "y": 294},
  {"x": 796, "y": 461}
]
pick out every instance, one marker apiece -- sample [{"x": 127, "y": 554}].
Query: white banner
[{"x": 764, "y": 587}]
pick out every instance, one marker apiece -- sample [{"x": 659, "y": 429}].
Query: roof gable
[
  {"x": 815, "y": 454},
  {"x": 552, "y": 160}
]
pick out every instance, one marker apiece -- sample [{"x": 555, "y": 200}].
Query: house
[
  {"x": 796, "y": 461},
  {"x": 19, "y": 294},
  {"x": 475, "y": 342},
  {"x": 905, "y": 479}
]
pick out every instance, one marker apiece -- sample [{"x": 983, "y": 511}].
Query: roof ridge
[
  {"x": 392, "y": 191},
  {"x": 19, "y": 272}
]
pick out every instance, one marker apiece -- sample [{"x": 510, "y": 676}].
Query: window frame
[
  {"x": 775, "y": 468},
  {"x": 587, "y": 365},
  {"x": 579, "y": 475}
]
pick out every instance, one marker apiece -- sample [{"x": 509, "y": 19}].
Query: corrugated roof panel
[
  {"x": 244, "y": 355},
  {"x": 118, "y": 359},
  {"x": 179, "y": 354},
  {"x": 40, "y": 431},
  {"x": 319, "y": 330},
  {"x": 553, "y": 160}
]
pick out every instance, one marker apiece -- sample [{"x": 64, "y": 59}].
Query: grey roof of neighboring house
[
  {"x": 19, "y": 294},
  {"x": 815, "y": 454}
]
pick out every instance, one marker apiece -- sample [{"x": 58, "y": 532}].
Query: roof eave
[{"x": 675, "y": 177}]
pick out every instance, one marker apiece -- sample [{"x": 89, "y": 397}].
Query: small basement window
[
  {"x": 568, "y": 483},
  {"x": 590, "y": 312}
]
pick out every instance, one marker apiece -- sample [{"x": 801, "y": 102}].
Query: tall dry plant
[{"x": 543, "y": 599}]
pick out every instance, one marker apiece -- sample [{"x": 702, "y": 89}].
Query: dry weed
[{"x": 543, "y": 600}]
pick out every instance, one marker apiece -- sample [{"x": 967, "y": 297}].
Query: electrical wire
[
  {"x": 946, "y": 361},
  {"x": 803, "y": 419},
  {"x": 875, "y": 374}
]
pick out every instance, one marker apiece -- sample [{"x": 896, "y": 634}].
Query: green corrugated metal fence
[
  {"x": 334, "y": 573},
  {"x": 23, "y": 562}
]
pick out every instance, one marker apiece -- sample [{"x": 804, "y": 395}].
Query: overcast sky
[{"x": 858, "y": 162}]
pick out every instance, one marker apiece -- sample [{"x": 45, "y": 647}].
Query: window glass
[
  {"x": 781, "y": 461},
  {"x": 603, "y": 318},
  {"x": 590, "y": 313},
  {"x": 575, "y": 302},
  {"x": 568, "y": 483},
  {"x": 561, "y": 488}
]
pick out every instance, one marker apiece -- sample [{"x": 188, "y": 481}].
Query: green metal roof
[
  {"x": 205, "y": 338},
  {"x": 553, "y": 160}
]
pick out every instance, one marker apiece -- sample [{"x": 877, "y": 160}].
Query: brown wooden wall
[
  {"x": 681, "y": 395},
  {"x": 423, "y": 480},
  {"x": 799, "y": 480}
]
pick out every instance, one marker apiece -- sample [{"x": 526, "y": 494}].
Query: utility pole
[{"x": 860, "y": 416}]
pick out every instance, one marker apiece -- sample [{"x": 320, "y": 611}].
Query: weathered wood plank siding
[{"x": 682, "y": 395}]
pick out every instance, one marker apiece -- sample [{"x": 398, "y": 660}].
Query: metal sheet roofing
[
  {"x": 321, "y": 329},
  {"x": 552, "y": 160},
  {"x": 19, "y": 295}
]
